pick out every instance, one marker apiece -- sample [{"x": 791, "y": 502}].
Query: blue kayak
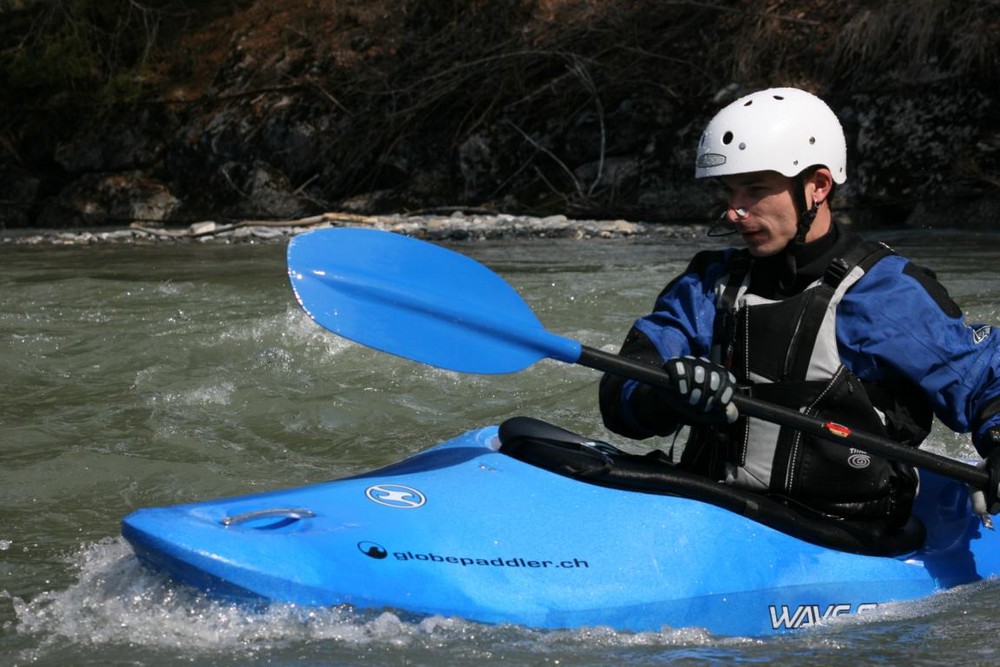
[{"x": 529, "y": 524}]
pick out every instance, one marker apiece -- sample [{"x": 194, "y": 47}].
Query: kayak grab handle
[{"x": 284, "y": 516}]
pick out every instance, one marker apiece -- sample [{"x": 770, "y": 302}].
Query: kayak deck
[
  {"x": 566, "y": 453},
  {"x": 465, "y": 529}
]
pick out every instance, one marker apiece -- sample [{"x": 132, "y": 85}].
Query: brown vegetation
[
  {"x": 390, "y": 76},
  {"x": 83, "y": 46}
]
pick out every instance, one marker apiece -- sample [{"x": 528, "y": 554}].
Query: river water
[{"x": 138, "y": 376}]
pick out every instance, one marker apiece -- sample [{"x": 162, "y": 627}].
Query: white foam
[{"x": 117, "y": 602}]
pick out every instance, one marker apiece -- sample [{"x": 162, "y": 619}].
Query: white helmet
[{"x": 779, "y": 129}]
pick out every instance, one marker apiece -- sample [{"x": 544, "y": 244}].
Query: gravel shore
[{"x": 454, "y": 227}]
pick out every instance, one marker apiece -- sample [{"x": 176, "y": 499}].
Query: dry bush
[
  {"x": 919, "y": 40},
  {"x": 395, "y": 89}
]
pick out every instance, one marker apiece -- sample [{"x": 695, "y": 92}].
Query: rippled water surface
[{"x": 136, "y": 376}]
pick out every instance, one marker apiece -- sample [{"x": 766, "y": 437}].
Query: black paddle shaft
[{"x": 752, "y": 407}]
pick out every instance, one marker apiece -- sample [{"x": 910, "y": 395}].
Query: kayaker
[{"x": 807, "y": 315}]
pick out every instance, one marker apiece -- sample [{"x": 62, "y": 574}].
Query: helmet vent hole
[
  {"x": 812, "y": 141},
  {"x": 743, "y": 146},
  {"x": 727, "y": 138},
  {"x": 748, "y": 103},
  {"x": 779, "y": 97}
]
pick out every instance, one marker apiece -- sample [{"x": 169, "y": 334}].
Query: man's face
[{"x": 769, "y": 218}]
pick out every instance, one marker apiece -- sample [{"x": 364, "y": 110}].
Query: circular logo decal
[
  {"x": 372, "y": 550},
  {"x": 859, "y": 461},
  {"x": 395, "y": 495}
]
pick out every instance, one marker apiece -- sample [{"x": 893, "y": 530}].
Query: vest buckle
[{"x": 836, "y": 272}]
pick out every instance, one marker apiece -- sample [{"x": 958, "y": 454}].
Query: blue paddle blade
[{"x": 419, "y": 301}]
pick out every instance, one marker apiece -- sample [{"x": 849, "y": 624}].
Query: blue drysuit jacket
[{"x": 897, "y": 323}]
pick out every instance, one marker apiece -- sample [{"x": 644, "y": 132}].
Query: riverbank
[
  {"x": 175, "y": 112},
  {"x": 457, "y": 226}
]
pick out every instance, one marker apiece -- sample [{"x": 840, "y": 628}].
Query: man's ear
[{"x": 821, "y": 181}]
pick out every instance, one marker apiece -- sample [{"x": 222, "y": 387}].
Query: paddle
[{"x": 426, "y": 303}]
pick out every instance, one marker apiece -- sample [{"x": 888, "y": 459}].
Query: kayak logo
[
  {"x": 784, "y": 617},
  {"x": 858, "y": 459},
  {"x": 372, "y": 550},
  {"x": 709, "y": 160},
  {"x": 396, "y": 496}
]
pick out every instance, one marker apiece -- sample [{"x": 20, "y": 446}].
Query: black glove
[
  {"x": 991, "y": 442},
  {"x": 702, "y": 391}
]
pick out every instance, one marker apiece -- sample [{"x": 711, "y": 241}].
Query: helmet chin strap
[{"x": 805, "y": 219}]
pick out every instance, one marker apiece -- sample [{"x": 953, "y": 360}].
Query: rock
[
  {"x": 971, "y": 215},
  {"x": 116, "y": 144},
  {"x": 95, "y": 199},
  {"x": 18, "y": 192},
  {"x": 266, "y": 233},
  {"x": 202, "y": 228},
  {"x": 264, "y": 191}
]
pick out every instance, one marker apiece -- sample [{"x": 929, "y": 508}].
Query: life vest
[{"x": 785, "y": 351}]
